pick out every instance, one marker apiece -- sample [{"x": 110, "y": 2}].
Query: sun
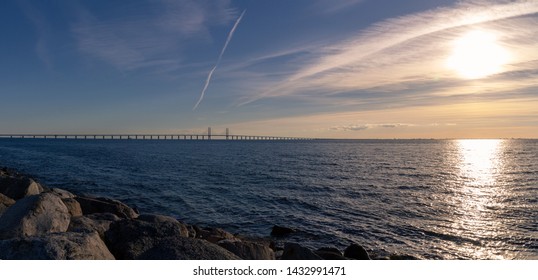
[{"x": 477, "y": 54}]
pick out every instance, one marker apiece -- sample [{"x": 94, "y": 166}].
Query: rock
[
  {"x": 56, "y": 246},
  {"x": 90, "y": 205},
  {"x": 248, "y": 250},
  {"x": 17, "y": 187},
  {"x": 183, "y": 248},
  {"x": 73, "y": 207},
  {"x": 159, "y": 237},
  {"x": 294, "y": 251},
  {"x": 34, "y": 215},
  {"x": 165, "y": 221},
  {"x": 357, "y": 252},
  {"x": 279, "y": 231},
  {"x": 5, "y": 202},
  {"x": 191, "y": 231},
  {"x": 330, "y": 254},
  {"x": 62, "y": 193},
  {"x": 128, "y": 238},
  {"x": 99, "y": 223},
  {"x": 213, "y": 235}
]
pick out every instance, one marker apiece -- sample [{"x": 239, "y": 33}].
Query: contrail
[{"x": 230, "y": 35}]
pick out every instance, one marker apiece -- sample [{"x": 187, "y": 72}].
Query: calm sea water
[{"x": 448, "y": 199}]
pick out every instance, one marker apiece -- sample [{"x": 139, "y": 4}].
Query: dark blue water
[{"x": 472, "y": 199}]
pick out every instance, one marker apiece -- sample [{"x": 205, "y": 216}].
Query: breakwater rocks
[{"x": 37, "y": 222}]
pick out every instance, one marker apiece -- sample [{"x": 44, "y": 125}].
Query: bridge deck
[{"x": 149, "y": 137}]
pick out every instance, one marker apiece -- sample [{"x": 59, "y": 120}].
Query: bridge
[{"x": 137, "y": 136}]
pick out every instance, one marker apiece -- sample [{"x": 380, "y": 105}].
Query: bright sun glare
[{"x": 477, "y": 54}]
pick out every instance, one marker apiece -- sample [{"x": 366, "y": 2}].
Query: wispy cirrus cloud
[
  {"x": 398, "y": 54},
  {"x": 334, "y": 6},
  {"x": 43, "y": 32},
  {"x": 148, "y": 40}
]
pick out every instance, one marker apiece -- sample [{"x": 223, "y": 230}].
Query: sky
[{"x": 305, "y": 68}]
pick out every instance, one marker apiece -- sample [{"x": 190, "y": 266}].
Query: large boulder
[
  {"x": 183, "y": 248},
  {"x": 5, "y": 202},
  {"x": 248, "y": 250},
  {"x": 17, "y": 186},
  {"x": 158, "y": 237},
  {"x": 56, "y": 246},
  {"x": 62, "y": 193},
  {"x": 90, "y": 205},
  {"x": 34, "y": 215},
  {"x": 73, "y": 207},
  {"x": 99, "y": 222},
  {"x": 294, "y": 251},
  {"x": 357, "y": 252}
]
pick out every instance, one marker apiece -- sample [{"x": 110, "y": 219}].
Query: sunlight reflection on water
[{"x": 480, "y": 164}]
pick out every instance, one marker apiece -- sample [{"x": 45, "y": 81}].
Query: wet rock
[
  {"x": 279, "y": 231},
  {"x": 73, "y": 207},
  {"x": 357, "y": 252},
  {"x": 34, "y": 215},
  {"x": 99, "y": 222},
  {"x": 159, "y": 237},
  {"x": 17, "y": 186},
  {"x": 5, "y": 202},
  {"x": 91, "y": 205},
  {"x": 56, "y": 246},
  {"x": 248, "y": 250},
  {"x": 329, "y": 254},
  {"x": 294, "y": 251}
]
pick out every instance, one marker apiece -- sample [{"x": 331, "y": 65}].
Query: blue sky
[{"x": 340, "y": 68}]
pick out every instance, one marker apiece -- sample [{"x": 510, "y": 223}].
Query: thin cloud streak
[
  {"x": 228, "y": 39},
  {"x": 410, "y": 48}
]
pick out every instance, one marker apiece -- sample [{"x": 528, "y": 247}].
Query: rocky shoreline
[{"x": 37, "y": 222}]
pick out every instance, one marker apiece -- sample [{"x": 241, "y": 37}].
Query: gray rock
[
  {"x": 330, "y": 254},
  {"x": 104, "y": 217},
  {"x": 62, "y": 193},
  {"x": 92, "y": 205},
  {"x": 158, "y": 237},
  {"x": 294, "y": 251},
  {"x": 56, "y": 246},
  {"x": 34, "y": 215},
  {"x": 357, "y": 252},
  {"x": 17, "y": 187},
  {"x": 248, "y": 250},
  {"x": 73, "y": 207},
  {"x": 183, "y": 248},
  {"x": 5, "y": 202},
  {"x": 99, "y": 223}
]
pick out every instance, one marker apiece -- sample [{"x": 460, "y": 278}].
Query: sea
[{"x": 431, "y": 199}]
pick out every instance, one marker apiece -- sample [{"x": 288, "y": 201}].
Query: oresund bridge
[{"x": 143, "y": 136}]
